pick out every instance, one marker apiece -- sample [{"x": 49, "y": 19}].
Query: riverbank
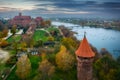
[
  {"x": 98, "y": 37},
  {"x": 113, "y": 24}
]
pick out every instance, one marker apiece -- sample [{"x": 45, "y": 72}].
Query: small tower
[
  {"x": 85, "y": 56},
  {"x": 20, "y": 14}
]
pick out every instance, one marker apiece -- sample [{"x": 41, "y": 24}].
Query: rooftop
[{"x": 84, "y": 49}]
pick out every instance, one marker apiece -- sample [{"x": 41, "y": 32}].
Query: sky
[{"x": 61, "y": 8}]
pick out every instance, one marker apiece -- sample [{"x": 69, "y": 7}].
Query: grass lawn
[
  {"x": 52, "y": 29},
  {"x": 15, "y": 37},
  {"x": 34, "y": 65},
  {"x": 40, "y": 34}
]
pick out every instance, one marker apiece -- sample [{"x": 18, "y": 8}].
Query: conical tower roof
[{"x": 84, "y": 49}]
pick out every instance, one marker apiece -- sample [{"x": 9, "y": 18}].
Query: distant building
[
  {"x": 24, "y": 21},
  {"x": 38, "y": 20},
  {"x": 85, "y": 57}
]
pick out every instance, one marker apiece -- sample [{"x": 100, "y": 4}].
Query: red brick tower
[
  {"x": 20, "y": 14},
  {"x": 85, "y": 57}
]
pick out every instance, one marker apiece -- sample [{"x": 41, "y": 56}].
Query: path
[
  {"x": 45, "y": 31},
  {"x": 4, "y": 55}
]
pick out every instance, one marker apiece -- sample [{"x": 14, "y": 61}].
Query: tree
[
  {"x": 106, "y": 68},
  {"x": 23, "y": 67},
  {"x": 25, "y": 29},
  {"x": 64, "y": 59},
  {"x": 15, "y": 46},
  {"x": 39, "y": 43},
  {"x": 3, "y": 43},
  {"x": 29, "y": 41},
  {"x": 69, "y": 43},
  {"x": 1, "y": 35},
  {"x": 50, "y": 38},
  {"x": 23, "y": 46},
  {"x": 43, "y": 24},
  {"x": 13, "y": 30},
  {"x": 46, "y": 68},
  {"x": 48, "y": 22},
  {"x": 5, "y": 32}
]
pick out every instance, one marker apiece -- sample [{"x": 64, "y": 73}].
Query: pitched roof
[{"x": 84, "y": 49}]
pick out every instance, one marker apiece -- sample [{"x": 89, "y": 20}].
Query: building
[
  {"x": 85, "y": 56},
  {"x": 24, "y": 21}
]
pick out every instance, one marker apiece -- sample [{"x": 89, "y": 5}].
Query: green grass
[
  {"x": 52, "y": 29},
  {"x": 35, "y": 61},
  {"x": 34, "y": 64},
  {"x": 15, "y": 37},
  {"x": 2, "y": 66},
  {"x": 13, "y": 75},
  {"x": 40, "y": 35}
]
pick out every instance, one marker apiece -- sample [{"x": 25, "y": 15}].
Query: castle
[
  {"x": 24, "y": 21},
  {"x": 85, "y": 57}
]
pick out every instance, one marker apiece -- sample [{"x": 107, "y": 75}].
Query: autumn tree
[
  {"x": 50, "y": 38},
  {"x": 64, "y": 59},
  {"x": 106, "y": 68},
  {"x": 48, "y": 22},
  {"x": 69, "y": 43},
  {"x": 3, "y": 43},
  {"x": 5, "y": 32},
  {"x": 43, "y": 24},
  {"x": 23, "y": 67},
  {"x": 13, "y": 30},
  {"x": 29, "y": 41},
  {"x": 46, "y": 68},
  {"x": 23, "y": 46}
]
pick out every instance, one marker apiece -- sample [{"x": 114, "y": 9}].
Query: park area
[
  {"x": 40, "y": 35},
  {"x": 14, "y": 38}
]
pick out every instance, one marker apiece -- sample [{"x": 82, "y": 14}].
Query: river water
[{"x": 98, "y": 37}]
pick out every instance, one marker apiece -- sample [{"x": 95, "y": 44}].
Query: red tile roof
[{"x": 84, "y": 49}]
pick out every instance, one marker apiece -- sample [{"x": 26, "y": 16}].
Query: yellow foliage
[
  {"x": 23, "y": 67},
  {"x": 69, "y": 43},
  {"x": 23, "y": 46},
  {"x": 46, "y": 68},
  {"x": 64, "y": 59},
  {"x": 51, "y": 38},
  {"x": 3, "y": 43}
]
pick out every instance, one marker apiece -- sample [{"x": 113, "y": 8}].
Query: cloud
[
  {"x": 7, "y": 9},
  {"x": 71, "y": 7}
]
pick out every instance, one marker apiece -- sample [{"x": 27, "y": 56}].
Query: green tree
[
  {"x": 39, "y": 43},
  {"x": 15, "y": 46},
  {"x": 64, "y": 59},
  {"x": 105, "y": 68},
  {"x": 23, "y": 46},
  {"x": 23, "y": 67},
  {"x": 69, "y": 43},
  {"x": 13, "y": 30}
]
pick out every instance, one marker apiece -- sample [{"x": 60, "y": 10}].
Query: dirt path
[{"x": 4, "y": 55}]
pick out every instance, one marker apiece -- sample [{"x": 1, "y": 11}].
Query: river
[{"x": 98, "y": 37}]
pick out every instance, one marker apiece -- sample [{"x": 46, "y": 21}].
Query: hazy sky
[{"x": 61, "y": 8}]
